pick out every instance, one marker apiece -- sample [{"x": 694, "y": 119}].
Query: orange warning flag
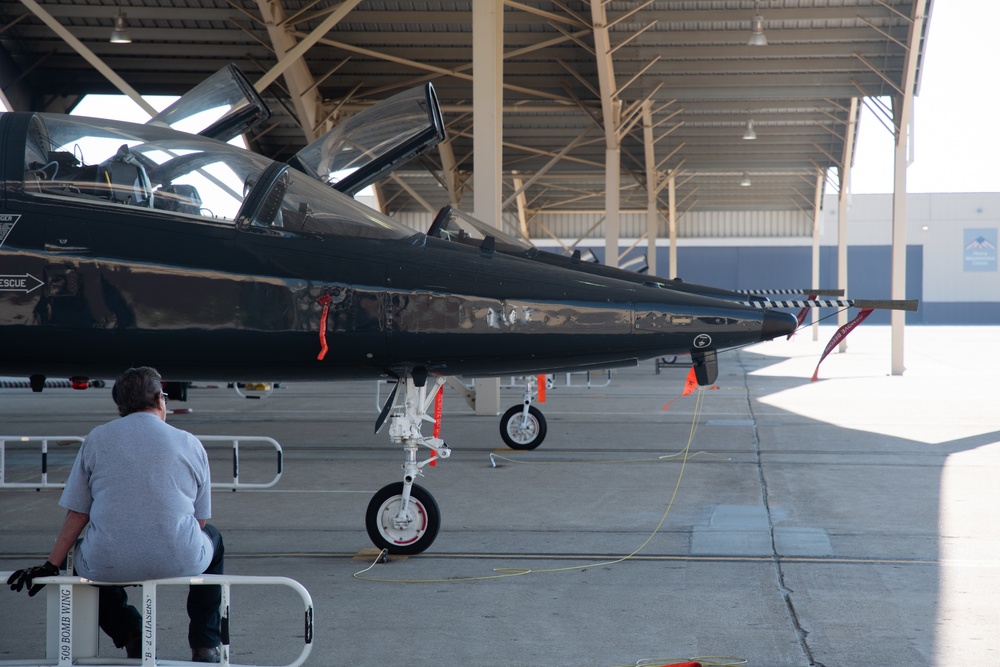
[{"x": 690, "y": 384}]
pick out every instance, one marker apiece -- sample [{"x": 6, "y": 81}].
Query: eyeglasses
[{"x": 164, "y": 395}]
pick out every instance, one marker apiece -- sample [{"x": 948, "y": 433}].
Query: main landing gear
[
  {"x": 403, "y": 517},
  {"x": 523, "y": 426}
]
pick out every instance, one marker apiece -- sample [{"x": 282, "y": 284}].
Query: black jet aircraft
[
  {"x": 127, "y": 244},
  {"x": 454, "y": 225},
  {"x": 523, "y": 426}
]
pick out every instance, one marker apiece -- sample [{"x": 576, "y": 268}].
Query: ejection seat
[{"x": 125, "y": 180}]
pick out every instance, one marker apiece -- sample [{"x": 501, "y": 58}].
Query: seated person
[{"x": 144, "y": 488}]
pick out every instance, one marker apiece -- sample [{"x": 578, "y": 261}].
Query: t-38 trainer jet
[{"x": 124, "y": 243}]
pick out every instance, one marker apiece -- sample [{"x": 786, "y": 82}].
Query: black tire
[
  {"x": 408, "y": 540},
  {"x": 519, "y": 432}
]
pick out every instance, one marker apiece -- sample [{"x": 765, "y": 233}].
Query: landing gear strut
[
  {"x": 403, "y": 517},
  {"x": 523, "y": 426}
]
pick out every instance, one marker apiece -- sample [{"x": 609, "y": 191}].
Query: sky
[
  {"x": 955, "y": 112},
  {"x": 958, "y": 101}
]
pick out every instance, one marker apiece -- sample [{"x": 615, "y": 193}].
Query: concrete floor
[{"x": 845, "y": 522}]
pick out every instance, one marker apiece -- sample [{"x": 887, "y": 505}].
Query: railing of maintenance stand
[
  {"x": 72, "y": 619},
  {"x": 44, "y": 441}
]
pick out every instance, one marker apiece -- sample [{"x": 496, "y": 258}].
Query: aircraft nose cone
[{"x": 776, "y": 323}]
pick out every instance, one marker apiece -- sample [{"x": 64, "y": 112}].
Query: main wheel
[
  {"x": 409, "y": 534},
  {"x": 522, "y": 431}
]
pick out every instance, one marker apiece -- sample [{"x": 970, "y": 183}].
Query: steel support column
[
  {"x": 672, "y": 220},
  {"x": 487, "y": 141},
  {"x": 652, "y": 185},
  {"x": 817, "y": 211},
  {"x": 842, "y": 204},
  {"x": 611, "y": 111},
  {"x": 903, "y": 116}
]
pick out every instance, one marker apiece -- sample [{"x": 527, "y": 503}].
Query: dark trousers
[{"x": 122, "y": 622}]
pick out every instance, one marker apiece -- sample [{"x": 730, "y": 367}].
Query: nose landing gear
[
  {"x": 523, "y": 426},
  {"x": 403, "y": 517}
]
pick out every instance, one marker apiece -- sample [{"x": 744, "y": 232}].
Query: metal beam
[
  {"x": 299, "y": 80},
  {"x": 519, "y": 189},
  {"x": 610, "y": 112},
  {"x": 89, "y": 56},
  {"x": 522, "y": 207},
  {"x": 295, "y": 54}
]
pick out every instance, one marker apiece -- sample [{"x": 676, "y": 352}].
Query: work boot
[
  {"x": 133, "y": 646},
  {"x": 210, "y": 654}
]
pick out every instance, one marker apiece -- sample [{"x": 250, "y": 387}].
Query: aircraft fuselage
[{"x": 108, "y": 284}]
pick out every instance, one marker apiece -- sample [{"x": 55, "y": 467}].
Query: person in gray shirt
[{"x": 142, "y": 488}]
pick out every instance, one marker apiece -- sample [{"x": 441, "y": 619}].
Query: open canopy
[{"x": 110, "y": 163}]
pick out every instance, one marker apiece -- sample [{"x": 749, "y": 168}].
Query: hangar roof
[{"x": 687, "y": 61}]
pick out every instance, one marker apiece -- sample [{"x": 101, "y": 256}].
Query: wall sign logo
[{"x": 979, "y": 249}]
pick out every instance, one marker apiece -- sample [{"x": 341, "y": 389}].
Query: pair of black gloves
[{"x": 22, "y": 578}]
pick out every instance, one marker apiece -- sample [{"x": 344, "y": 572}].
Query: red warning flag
[
  {"x": 324, "y": 301},
  {"x": 841, "y": 334},
  {"x": 438, "y": 409},
  {"x": 541, "y": 388},
  {"x": 438, "y": 405}
]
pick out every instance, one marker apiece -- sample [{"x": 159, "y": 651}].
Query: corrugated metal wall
[
  {"x": 421, "y": 221},
  {"x": 707, "y": 224},
  {"x": 937, "y": 226}
]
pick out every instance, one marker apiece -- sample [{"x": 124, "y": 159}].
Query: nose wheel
[
  {"x": 400, "y": 530},
  {"x": 522, "y": 428}
]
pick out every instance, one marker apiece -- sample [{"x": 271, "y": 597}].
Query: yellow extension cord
[
  {"x": 517, "y": 572},
  {"x": 502, "y": 573}
]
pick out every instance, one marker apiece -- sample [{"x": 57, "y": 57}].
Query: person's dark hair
[{"x": 136, "y": 390}]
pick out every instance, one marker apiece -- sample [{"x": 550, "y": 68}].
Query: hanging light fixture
[
  {"x": 757, "y": 37},
  {"x": 746, "y": 180},
  {"x": 749, "y": 134},
  {"x": 120, "y": 34}
]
